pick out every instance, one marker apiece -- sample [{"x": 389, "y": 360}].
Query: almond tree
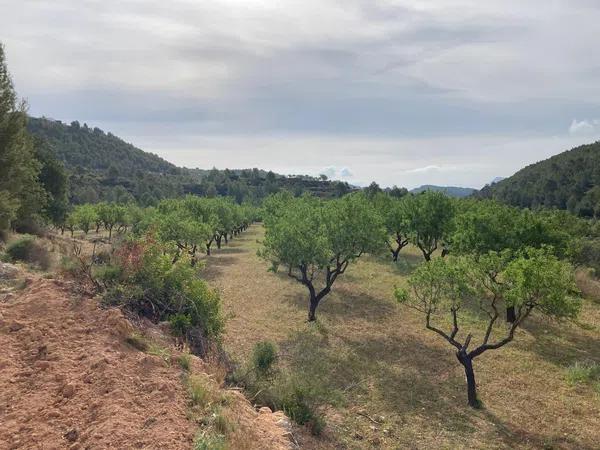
[
  {"x": 396, "y": 220},
  {"x": 316, "y": 240},
  {"x": 430, "y": 216},
  {"x": 535, "y": 280}
]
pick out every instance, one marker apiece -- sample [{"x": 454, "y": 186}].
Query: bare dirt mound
[{"x": 69, "y": 380}]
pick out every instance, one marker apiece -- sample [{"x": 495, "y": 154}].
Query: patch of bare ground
[
  {"x": 69, "y": 379},
  {"x": 400, "y": 386}
]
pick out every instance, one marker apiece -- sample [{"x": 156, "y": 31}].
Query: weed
[
  {"x": 137, "y": 341},
  {"x": 264, "y": 356},
  {"x": 583, "y": 372},
  {"x": 198, "y": 390},
  {"x": 185, "y": 361},
  {"x": 222, "y": 424},
  {"x": 161, "y": 352},
  {"x": 209, "y": 442}
]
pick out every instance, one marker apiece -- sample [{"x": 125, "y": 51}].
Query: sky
[{"x": 401, "y": 92}]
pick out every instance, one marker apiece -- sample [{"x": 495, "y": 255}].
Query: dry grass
[{"x": 381, "y": 362}]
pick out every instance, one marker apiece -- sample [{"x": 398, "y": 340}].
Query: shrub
[
  {"x": 295, "y": 397},
  {"x": 180, "y": 324},
  {"x": 151, "y": 284},
  {"x": 588, "y": 254},
  {"x": 264, "y": 356},
  {"x": 29, "y": 250}
]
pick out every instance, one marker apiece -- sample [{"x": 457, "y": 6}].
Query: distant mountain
[
  {"x": 569, "y": 180},
  {"x": 104, "y": 167},
  {"x": 452, "y": 191}
]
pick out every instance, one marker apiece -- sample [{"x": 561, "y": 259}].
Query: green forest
[{"x": 569, "y": 180}]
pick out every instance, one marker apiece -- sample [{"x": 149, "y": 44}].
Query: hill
[
  {"x": 452, "y": 191},
  {"x": 104, "y": 167},
  {"x": 569, "y": 180}
]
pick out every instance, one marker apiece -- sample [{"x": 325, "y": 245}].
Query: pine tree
[{"x": 21, "y": 196}]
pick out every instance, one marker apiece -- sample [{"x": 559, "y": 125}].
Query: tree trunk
[
  {"x": 218, "y": 239},
  {"x": 110, "y": 233},
  {"x": 510, "y": 314},
  {"x": 395, "y": 254},
  {"x": 207, "y": 249},
  {"x": 467, "y": 363},
  {"x": 312, "y": 309},
  {"x": 226, "y": 239}
]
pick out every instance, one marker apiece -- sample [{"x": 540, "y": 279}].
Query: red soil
[{"x": 69, "y": 380}]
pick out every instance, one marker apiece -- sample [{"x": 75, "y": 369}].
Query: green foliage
[
  {"x": 486, "y": 225},
  {"x": 538, "y": 279},
  {"x": 312, "y": 238},
  {"x": 568, "y": 180},
  {"x": 180, "y": 324},
  {"x": 430, "y": 218},
  {"x": 151, "y": 284},
  {"x": 264, "y": 355},
  {"x": 21, "y": 195},
  {"x": 185, "y": 361},
  {"x": 533, "y": 279},
  {"x": 583, "y": 372},
  {"x": 209, "y": 442},
  {"x": 84, "y": 217}
]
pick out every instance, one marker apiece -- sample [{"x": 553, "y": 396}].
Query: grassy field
[{"x": 398, "y": 385}]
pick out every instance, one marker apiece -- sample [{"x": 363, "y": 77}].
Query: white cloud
[
  {"x": 346, "y": 173},
  {"x": 584, "y": 127},
  {"x": 431, "y": 168}
]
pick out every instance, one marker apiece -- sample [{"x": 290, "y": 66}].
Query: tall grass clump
[
  {"x": 28, "y": 249},
  {"x": 583, "y": 373}
]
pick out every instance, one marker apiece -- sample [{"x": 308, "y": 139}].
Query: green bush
[
  {"x": 588, "y": 254},
  {"x": 264, "y": 356},
  {"x": 180, "y": 324},
  {"x": 147, "y": 281},
  {"x": 29, "y": 250},
  {"x": 296, "y": 397}
]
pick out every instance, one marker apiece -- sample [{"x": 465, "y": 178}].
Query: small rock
[
  {"x": 71, "y": 435},
  {"x": 265, "y": 410},
  {"x": 16, "y": 326},
  {"x": 42, "y": 365},
  {"x": 68, "y": 390}
]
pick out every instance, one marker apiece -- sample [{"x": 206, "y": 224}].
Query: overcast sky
[{"x": 404, "y": 92}]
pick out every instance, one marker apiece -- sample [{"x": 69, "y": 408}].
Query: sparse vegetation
[{"x": 28, "y": 249}]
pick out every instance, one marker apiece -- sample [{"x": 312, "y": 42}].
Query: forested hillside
[
  {"x": 452, "y": 191},
  {"x": 569, "y": 180},
  {"x": 104, "y": 167}
]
